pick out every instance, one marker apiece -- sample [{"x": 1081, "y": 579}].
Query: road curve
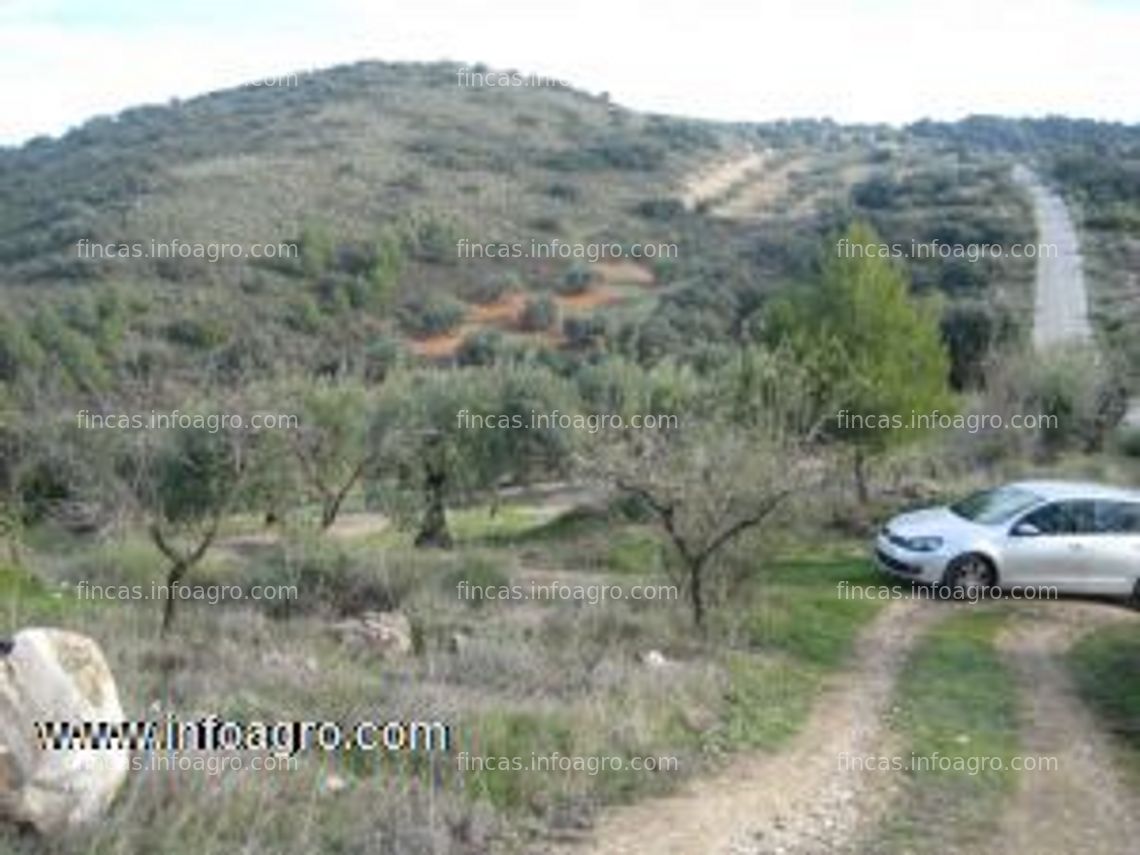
[{"x": 1061, "y": 310}]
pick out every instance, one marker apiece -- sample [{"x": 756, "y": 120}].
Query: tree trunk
[
  {"x": 861, "y": 490},
  {"x": 696, "y": 592},
  {"x": 329, "y": 512},
  {"x": 433, "y": 530},
  {"x": 174, "y": 577},
  {"x": 180, "y": 565}
]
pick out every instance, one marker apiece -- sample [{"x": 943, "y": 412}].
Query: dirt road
[
  {"x": 712, "y": 183},
  {"x": 1082, "y": 806},
  {"x": 796, "y": 800}
]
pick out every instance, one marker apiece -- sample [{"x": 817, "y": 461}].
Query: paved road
[
  {"x": 1061, "y": 310},
  {"x": 1061, "y": 313}
]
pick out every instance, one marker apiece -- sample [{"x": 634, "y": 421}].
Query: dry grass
[{"x": 530, "y": 677}]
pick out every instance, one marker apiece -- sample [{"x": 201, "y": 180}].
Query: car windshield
[{"x": 995, "y": 506}]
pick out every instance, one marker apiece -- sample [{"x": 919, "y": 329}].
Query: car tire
[{"x": 969, "y": 570}]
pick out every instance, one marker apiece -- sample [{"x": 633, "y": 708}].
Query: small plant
[
  {"x": 539, "y": 314},
  {"x": 577, "y": 280},
  {"x": 471, "y": 581},
  {"x": 432, "y": 315},
  {"x": 1128, "y": 441}
]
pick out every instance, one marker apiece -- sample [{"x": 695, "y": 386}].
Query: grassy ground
[
  {"x": 1106, "y": 669},
  {"x": 532, "y": 678},
  {"x": 955, "y": 701}
]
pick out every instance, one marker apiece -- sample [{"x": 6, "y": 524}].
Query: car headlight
[{"x": 923, "y": 544}]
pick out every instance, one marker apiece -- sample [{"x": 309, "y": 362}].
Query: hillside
[{"x": 383, "y": 179}]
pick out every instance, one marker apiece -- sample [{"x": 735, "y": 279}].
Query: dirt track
[
  {"x": 1082, "y": 806},
  {"x": 796, "y": 800}
]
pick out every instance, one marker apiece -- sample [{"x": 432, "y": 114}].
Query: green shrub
[
  {"x": 577, "y": 280},
  {"x": 484, "y": 347},
  {"x": 479, "y": 573},
  {"x": 582, "y": 332},
  {"x": 563, "y": 192},
  {"x": 489, "y": 289},
  {"x": 1128, "y": 441},
  {"x": 539, "y": 314},
  {"x": 196, "y": 333},
  {"x": 131, "y": 561},
  {"x": 431, "y": 315},
  {"x": 660, "y": 208},
  {"x": 431, "y": 237},
  {"x": 331, "y": 577}
]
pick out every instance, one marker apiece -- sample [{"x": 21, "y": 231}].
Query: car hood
[{"x": 940, "y": 522}]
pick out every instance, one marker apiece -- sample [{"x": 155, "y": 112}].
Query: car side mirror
[{"x": 1025, "y": 529}]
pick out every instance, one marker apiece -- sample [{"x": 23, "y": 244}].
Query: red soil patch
[
  {"x": 591, "y": 299},
  {"x": 504, "y": 310},
  {"x": 438, "y": 346}
]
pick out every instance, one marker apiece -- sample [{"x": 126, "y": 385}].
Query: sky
[{"x": 63, "y": 61}]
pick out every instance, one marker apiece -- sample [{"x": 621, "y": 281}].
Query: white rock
[
  {"x": 53, "y": 675},
  {"x": 654, "y": 659}
]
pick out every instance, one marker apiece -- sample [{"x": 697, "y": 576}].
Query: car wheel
[{"x": 970, "y": 573}]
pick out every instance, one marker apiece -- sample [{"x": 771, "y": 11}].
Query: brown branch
[{"x": 742, "y": 525}]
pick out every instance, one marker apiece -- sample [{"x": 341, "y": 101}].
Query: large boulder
[{"x": 49, "y": 675}]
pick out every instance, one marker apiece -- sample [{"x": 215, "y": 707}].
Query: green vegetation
[
  {"x": 957, "y": 708},
  {"x": 408, "y": 369},
  {"x": 871, "y": 351},
  {"x": 1106, "y": 667}
]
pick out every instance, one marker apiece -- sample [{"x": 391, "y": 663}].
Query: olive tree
[
  {"x": 456, "y": 435},
  {"x": 745, "y": 443},
  {"x": 184, "y": 482},
  {"x": 332, "y": 442}
]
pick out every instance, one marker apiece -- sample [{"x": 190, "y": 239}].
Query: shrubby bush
[
  {"x": 335, "y": 578},
  {"x": 483, "y": 347},
  {"x": 1074, "y": 386},
  {"x": 431, "y": 315},
  {"x": 1128, "y": 441},
  {"x": 430, "y": 237},
  {"x": 19, "y": 351},
  {"x": 539, "y": 314},
  {"x": 563, "y": 192},
  {"x": 582, "y": 332},
  {"x": 576, "y": 280},
  {"x": 382, "y": 355},
  {"x": 661, "y": 208},
  {"x": 197, "y": 333},
  {"x": 970, "y": 331},
  {"x": 490, "y": 289}
]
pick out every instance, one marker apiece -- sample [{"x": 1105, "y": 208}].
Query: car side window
[
  {"x": 1060, "y": 518},
  {"x": 1118, "y": 517}
]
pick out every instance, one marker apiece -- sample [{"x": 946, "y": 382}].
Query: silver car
[{"x": 1078, "y": 538}]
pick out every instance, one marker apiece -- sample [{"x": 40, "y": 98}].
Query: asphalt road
[{"x": 1061, "y": 309}]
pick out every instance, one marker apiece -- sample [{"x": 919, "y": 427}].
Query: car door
[
  {"x": 1093, "y": 567},
  {"x": 1044, "y": 547},
  {"x": 1113, "y": 564}
]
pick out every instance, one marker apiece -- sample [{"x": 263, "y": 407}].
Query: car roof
[{"x": 1054, "y": 490}]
